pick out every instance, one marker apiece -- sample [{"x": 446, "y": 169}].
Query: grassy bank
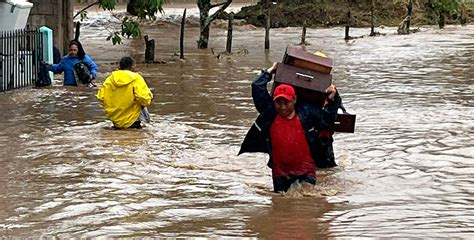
[{"x": 334, "y": 13}]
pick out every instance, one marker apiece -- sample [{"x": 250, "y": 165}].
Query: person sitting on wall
[
  {"x": 76, "y": 54},
  {"x": 125, "y": 96},
  {"x": 287, "y": 129}
]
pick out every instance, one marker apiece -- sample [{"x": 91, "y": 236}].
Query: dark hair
[
  {"x": 126, "y": 63},
  {"x": 80, "y": 50}
]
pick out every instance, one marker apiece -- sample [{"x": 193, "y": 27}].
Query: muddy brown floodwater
[{"x": 406, "y": 172}]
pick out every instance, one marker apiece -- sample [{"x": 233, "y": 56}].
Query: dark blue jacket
[
  {"x": 312, "y": 119},
  {"x": 67, "y": 66}
]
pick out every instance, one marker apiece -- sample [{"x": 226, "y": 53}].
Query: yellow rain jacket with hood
[{"x": 122, "y": 95}]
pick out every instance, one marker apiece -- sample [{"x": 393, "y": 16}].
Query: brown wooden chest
[
  {"x": 308, "y": 84},
  {"x": 310, "y": 75},
  {"x": 345, "y": 123},
  {"x": 303, "y": 59}
]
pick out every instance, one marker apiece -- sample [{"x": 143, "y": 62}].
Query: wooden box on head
[
  {"x": 300, "y": 58},
  {"x": 309, "y": 85},
  {"x": 310, "y": 75}
]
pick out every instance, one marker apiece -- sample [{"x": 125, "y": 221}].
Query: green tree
[
  {"x": 145, "y": 9},
  {"x": 443, "y": 8}
]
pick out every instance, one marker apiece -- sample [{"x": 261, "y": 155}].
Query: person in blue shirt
[{"x": 66, "y": 65}]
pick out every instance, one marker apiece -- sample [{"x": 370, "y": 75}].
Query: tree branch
[
  {"x": 217, "y": 5},
  {"x": 90, "y": 5},
  {"x": 223, "y": 5}
]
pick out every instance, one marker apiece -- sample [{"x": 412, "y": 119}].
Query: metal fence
[{"x": 20, "y": 55}]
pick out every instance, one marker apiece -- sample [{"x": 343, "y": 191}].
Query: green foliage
[
  {"x": 83, "y": 15},
  {"x": 129, "y": 27},
  {"x": 447, "y": 6},
  {"x": 147, "y": 8},
  {"x": 115, "y": 37},
  {"x": 151, "y": 7},
  {"x": 107, "y": 4}
]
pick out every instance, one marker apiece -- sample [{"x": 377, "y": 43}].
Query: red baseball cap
[{"x": 284, "y": 90}]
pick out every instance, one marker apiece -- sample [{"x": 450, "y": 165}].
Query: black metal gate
[{"x": 21, "y": 51}]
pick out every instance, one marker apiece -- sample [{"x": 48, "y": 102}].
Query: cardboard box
[{"x": 303, "y": 59}]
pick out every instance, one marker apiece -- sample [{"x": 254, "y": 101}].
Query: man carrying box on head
[{"x": 288, "y": 130}]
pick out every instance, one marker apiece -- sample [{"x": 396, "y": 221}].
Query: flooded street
[{"x": 406, "y": 172}]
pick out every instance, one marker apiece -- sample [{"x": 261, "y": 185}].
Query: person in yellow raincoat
[{"x": 125, "y": 96}]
